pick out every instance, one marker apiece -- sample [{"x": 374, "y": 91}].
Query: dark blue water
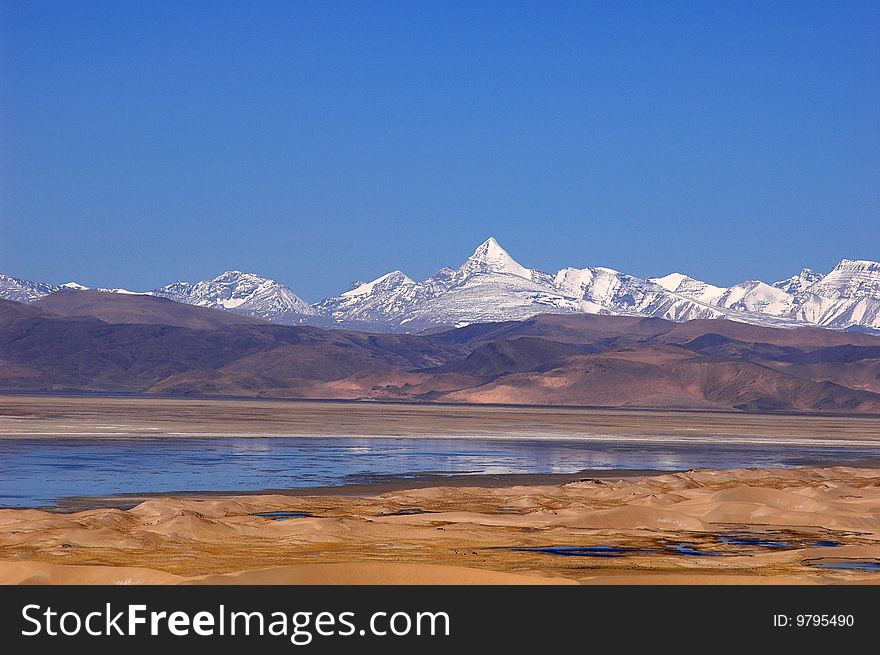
[
  {"x": 282, "y": 516},
  {"x": 870, "y": 566},
  {"x": 760, "y": 542},
  {"x": 42, "y": 472},
  {"x": 589, "y": 551},
  {"x": 750, "y": 542}
]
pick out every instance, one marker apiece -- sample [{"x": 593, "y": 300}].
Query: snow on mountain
[
  {"x": 606, "y": 291},
  {"x": 751, "y": 301},
  {"x": 756, "y": 297},
  {"x": 383, "y": 283},
  {"x": 797, "y": 283},
  {"x": 848, "y": 296},
  {"x": 490, "y": 257},
  {"x": 384, "y": 300},
  {"x": 492, "y": 286},
  {"x": 850, "y": 279},
  {"x": 25, "y": 291},
  {"x": 243, "y": 293},
  {"x": 688, "y": 287},
  {"x": 466, "y": 296},
  {"x": 125, "y": 292},
  {"x": 489, "y": 286}
]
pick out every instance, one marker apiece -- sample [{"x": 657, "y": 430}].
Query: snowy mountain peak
[
  {"x": 387, "y": 281},
  {"x": 74, "y": 285},
  {"x": 236, "y": 278},
  {"x": 492, "y": 286},
  {"x": 670, "y": 282},
  {"x": 851, "y": 278},
  {"x": 243, "y": 293},
  {"x": 25, "y": 291},
  {"x": 689, "y": 287},
  {"x": 490, "y": 257},
  {"x": 858, "y": 264}
]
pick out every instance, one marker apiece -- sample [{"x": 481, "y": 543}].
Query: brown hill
[
  {"x": 595, "y": 329},
  {"x": 564, "y": 360},
  {"x": 667, "y": 376},
  {"x": 45, "y": 351},
  {"x": 518, "y": 355},
  {"x": 563, "y": 328},
  {"x": 136, "y": 308},
  {"x": 800, "y": 337}
]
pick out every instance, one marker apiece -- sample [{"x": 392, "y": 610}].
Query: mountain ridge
[
  {"x": 549, "y": 359},
  {"x": 490, "y": 285}
]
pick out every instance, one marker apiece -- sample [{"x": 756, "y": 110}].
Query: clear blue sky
[{"x": 318, "y": 142}]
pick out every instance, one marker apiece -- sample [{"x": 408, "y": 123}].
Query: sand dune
[
  {"x": 47, "y": 573},
  {"x": 748, "y": 525}
]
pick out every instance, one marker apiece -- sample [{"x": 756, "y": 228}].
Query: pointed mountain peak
[
  {"x": 490, "y": 257},
  {"x": 490, "y": 246}
]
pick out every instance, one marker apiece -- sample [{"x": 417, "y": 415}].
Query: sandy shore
[{"x": 706, "y": 527}]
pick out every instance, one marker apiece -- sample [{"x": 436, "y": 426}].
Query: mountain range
[
  {"x": 83, "y": 340},
  {"x": 491, "y": 286}
]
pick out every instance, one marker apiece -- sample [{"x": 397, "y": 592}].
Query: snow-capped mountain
[
  {"x": 243, "y": 293},
  {"x": 606, "y": 291},
  {"x": 489, "y": 286},
  {"x": 690, "y": 288},
  {"x": 380, "y": 301},
  {"x": 25, "y": 291},
  {"x": 492, "y": 286},
  {"x": 850, "y": 279},
  {"x": 753, "y": 296},
  {"x": 76, "y": 286},
  {"x": 848, "y": 296}
]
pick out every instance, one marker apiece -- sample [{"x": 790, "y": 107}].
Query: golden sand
[{"x": 783, "y": 519}]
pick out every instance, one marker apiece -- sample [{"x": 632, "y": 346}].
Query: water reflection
[{"x": 39, "y": 472}]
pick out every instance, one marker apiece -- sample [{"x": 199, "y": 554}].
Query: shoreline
[
  {"x": 420, "y": 403},
  {"x": 390, "y": 484},
  {"x": 752, "y": 526},
  {"x": 358, "y": 489},
  {"x": 600, "y": 439},
  {"x": 102, "y": 417}
]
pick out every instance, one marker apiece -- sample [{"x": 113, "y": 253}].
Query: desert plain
[{"x": 809, "y": 525}]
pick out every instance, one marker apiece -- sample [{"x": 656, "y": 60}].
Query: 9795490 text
[{"x": 813, "y": 620}]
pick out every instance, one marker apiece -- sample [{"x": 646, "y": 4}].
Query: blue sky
[{"x": 319, "y": 142}]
